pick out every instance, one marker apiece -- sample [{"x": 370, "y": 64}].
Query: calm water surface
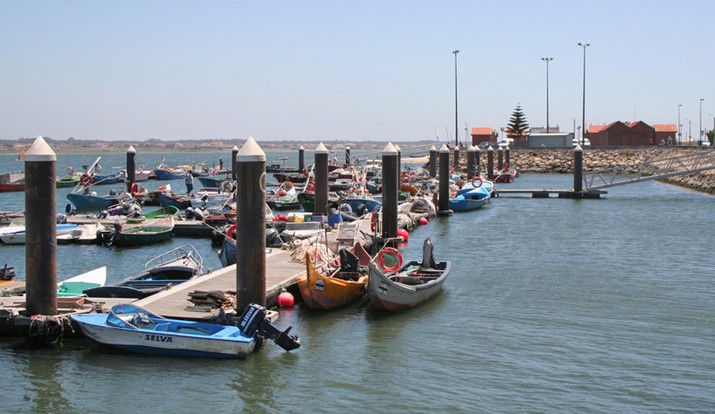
[{"x": 554, "y": 305}]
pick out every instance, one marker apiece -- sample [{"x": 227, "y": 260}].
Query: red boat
[{"x": 16, "y": 186}]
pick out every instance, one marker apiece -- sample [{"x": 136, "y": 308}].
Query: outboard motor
[
  {"x": 112, "y": 192},
  {"x": 61, "y": 218},
  {"x": 349, "y": 262},
  {"x": 428, "y": 254},
  {"x": 253, "y": 322}
]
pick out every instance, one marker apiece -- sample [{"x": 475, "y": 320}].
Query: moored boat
[
  {"x": 395, "y": 287},
  {"x": 145, "y": 232}
]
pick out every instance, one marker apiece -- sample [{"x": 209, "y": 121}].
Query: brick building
[
  {"x": 481, "y": 134},
  {"x": 622, "y": 134}
]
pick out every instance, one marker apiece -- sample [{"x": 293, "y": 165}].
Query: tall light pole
[
  {"x": 680, "y": 138},
  {"x": 456, "y": 112},
  {"x": 547, "y": 60},
  {"x": 583, "y": 104},
  {"x": 700, "y": 131}
]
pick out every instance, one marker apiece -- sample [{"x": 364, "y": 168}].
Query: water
[{"x": 553, "y": 305}]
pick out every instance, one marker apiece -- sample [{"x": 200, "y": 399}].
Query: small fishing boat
[
  {"x": 145, "y": 232},
  {"x": 164, "y": 172},
  {"x": 82, "y": 234},
  {"x": 339, "y": 288},
  {"x": 473, "y": 197},
  {"x": 143, "y": 174},
  {"x": 172, "y": 267},
  {"x": 393, "y": 286},
  {"x": 14, "y": 181},
  {"x": 70, "y": 180},
  {"x": 505, "y": 175},
  {"x": 135, "y": 329},
  {"x": 16, "y": 232},
  {"x": 76, "y": 285},
  {"x": 7, "y": 272}
]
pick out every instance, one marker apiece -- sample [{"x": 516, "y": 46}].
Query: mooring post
[
  {"x": 347, "y": 156},
  {"x": 390, "y": 190},
  {"x": 399, "y": 168},
  {"x": 578, "y": 169},
  {"x": 507, "y": 161},
  {"x": 477, "y": 161},
  {"x": 320, "y": 207},
  {"x": 251, "y": 226},
  {"x": 433, "y": 161},
  {"x": 131, "y": 167},
  {"x": 234, "y": 167},
  {"x": 490, "y": 163},
  {"x": 40, "y": 229},
  {"x": 301, "y": 159},
  {"x": 471, "y": 150},
  {"x": 456, "y": 159},
  {"x": 443, "y": 209},
  {"x": 500, "y": 159}
]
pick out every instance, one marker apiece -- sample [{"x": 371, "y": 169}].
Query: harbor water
[{"x": 553, "y": 305}]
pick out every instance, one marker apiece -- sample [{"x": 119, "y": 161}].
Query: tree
[
  {"x": 711, "y": 135},
  {"x": 517, "y": 126}
]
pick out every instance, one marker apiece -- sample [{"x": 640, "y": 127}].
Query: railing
[{"x": 650, "y": 170}]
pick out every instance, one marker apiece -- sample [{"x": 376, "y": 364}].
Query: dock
[{"x": 543, "y": 193}]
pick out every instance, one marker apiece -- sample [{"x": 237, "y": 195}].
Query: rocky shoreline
[{"x": 560, "y": 161}]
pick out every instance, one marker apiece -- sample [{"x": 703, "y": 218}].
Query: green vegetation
[{"x": 517, "y": 127}]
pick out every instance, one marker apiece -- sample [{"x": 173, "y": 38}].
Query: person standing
[
  {"x": 220, "y": 164},
  {"x": 189, "y": 181}
]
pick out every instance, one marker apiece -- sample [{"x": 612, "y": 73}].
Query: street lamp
[
  {"x": 547, "y": 60},
  {"x": 680, "y": 137},
  {"x": 700, "y": 131},
  {"x": 583, "y": 104},
  {"x": 456, "y": 112}
]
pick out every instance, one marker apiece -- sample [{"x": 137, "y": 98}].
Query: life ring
[
  {"x": 405, "y": 178},
  {"x": 477, "y": 182},
  {"x": 135, "y": 188},
  {"x": 373, "y": 222},
  {"x": 389, "y": 252},
  {"x": 310, "y": 187},
  {"x": 230, "y": 232},
  {"x": 86, "y": 179}
]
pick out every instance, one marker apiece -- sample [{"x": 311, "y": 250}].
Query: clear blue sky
[{"x": 334, "y": 70}]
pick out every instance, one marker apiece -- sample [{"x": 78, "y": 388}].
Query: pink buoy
[
  {"x": 404, "y": 234},
  {"x": 285, "y": 300},
  {"x": 422, "y": 221}
]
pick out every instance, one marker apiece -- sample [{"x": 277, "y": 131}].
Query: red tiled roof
[
  {"x": 595, "y": 129},
  {"x": 665, "y": 128},
  {"x": 482, "y": 131}
]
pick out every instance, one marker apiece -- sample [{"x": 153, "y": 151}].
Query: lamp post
[
  {"x": 700, "y": 131},
  {"x": 680, "y": 137},
  {"x": 456, "y": 112},
  {"x": 502, "y": 135},
  {"x": 583, "y": 104},
  {"x": 547, "y": 60}
]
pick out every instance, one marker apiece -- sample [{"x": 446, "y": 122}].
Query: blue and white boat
[
  {"x": 135, "y": 329},
  {"x": 473, "y": 197},
  {"x": 16, "y": 234},
  {"x": 164, "y": 172}
]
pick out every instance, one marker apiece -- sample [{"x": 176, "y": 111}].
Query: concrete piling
[
  {"x": 443, "y": 208},
  {"x": 578, "y": 169},
  {"x": 131, "y": 167},
  {"x": 320, "y": 207},
  {"x": 347, "y": 157},
  {"x": 433, "y": 161},
  {"x": 251, "y": 226},
  {"x": 471, "y": 151},
  {"x": 490, "y": 163},
  {"x": 301, "y": 159},
  {"x": 456, "y": 159},
  {"x": 40, "y": 229},
  {"x": 477, "y": 161},
  {"x": 500, "y": 159},
  {"x": 507, "y": 159},
  {"x": 234, "y": 167},
  {"x": 390, "y": 190}
]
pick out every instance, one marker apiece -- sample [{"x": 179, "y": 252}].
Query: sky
[{"x": 339, "y": 70}]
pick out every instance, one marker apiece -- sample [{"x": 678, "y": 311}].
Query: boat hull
[
  {"x": 402, "y": 291},
  {"x": 325, "y": 292}
]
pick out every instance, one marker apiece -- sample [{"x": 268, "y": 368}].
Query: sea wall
[{"x": 560, "y": 161}]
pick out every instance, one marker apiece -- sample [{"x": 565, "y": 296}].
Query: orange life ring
[
  {"x": 135, "y": 188},
  {"x": 86, "y": 179},
  {"x": 373, "y": 222},
  {"x": 405, "y": 178},
  {"x": 389, "y": 251},
  {"x": 310, "y": 187},
  {"x": 230, "y": 232},
  {"x": 477, "y": 182}
]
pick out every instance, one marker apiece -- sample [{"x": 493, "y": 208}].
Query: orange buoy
[
  {"x": 285, "y": 300},
  {"x": 404, "y": 234},
  {"x": 422, "y": 221}
]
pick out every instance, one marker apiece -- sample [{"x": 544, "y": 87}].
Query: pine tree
[{"x": 517, "y": 125}]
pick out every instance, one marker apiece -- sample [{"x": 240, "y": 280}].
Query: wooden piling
[
  {"x": 471, "y": 150},
  {"x": 578, "y": 168},
  {"x": 390, "y": 190},
  {"x": 477, "y": 161},
  {"x": 251, "y": 226},
  {"x": 234, "y": 167},
  {"x": 500, "y": 159},
  {"x": 320, "y": 206},
  {"x": 507, "y": 160},
  {"x": 40, "y": 229},
  {"x": 301, "y": 159},
  {"x": 131, "y": 167},
  {"x": 347, "y": 157},
  {"x": 399, "y": 167},
  {"x": 490, "y": 163},
  {"x": 433, "y": 161},
  {"x": 443, "y": 208},
  {"x": 456, "y": 159}
]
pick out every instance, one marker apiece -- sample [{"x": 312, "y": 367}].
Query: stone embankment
[{"x": 561, "y": 161}]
